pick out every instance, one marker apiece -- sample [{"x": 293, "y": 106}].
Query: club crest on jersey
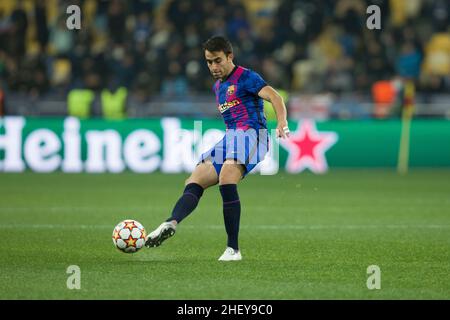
[{"x": 231, "y": 90}]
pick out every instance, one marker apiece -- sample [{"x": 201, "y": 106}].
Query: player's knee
[
  {"x": 230, "y": 175},
  {"x": 205, "y": 181},
  {"x": 224, "y": 179},
  {"x": 192, "y": 179}
]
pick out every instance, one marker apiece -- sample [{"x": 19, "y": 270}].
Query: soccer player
[{"x": 239, "y": 93}]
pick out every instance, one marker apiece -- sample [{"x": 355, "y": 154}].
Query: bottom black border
[{"x": 221, "y": 309}]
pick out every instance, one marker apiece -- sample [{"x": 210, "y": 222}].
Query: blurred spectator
[
  {"x": 351, "y": 15},
  {"x": 142, "y": 28},
  {"x": 91, "y": 74},
  {"x": 38, "y": 82},
  {"x": 436, "y": 66},
  {"x": 116, "y": 21},
  {"x": 376, "y": 62},
  {"x": 175, "y": 83},
  {"x": 139, "y": 6},
  {"x": 62, "y": 41},
  {"x": 237, "y": 22},
  {"x": 265, "y": 44},
  {"x": 61, "y": 73},
  {"x": 142, "y": 89},
  {"x": 113, "y": 102},
  {"x": 273, "y": 73},
  {"x": 384, "y": 95},
  {"x": 122, "y": 67},
  {"x": 5, "y": 29},
  {"x": 437, "y": 60},
  {"x": 438, "y": 13},
  {"x": 408, "y": 62},
  {"x": 184, "y": 12},
  {"x": 18, "y": 33},
  {"x": 79, "y": 102},
  {"x": 40, "y": 17},
  {"x": 339, "y": 76}
]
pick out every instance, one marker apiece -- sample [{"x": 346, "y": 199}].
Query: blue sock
[
  {"x": 231, "y": 213},
  {"x": 187, "y": 202}
]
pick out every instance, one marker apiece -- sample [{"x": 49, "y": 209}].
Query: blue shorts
[{"x": 247, "y": 147}]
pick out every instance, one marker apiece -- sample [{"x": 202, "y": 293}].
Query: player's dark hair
[{"x": 218, "y": 43}]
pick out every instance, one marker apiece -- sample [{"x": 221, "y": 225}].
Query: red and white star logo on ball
[
  {"x": 307, "y": 147},
  {"x": 129, "y": 225},
  {"x": 130, "y": 241}
]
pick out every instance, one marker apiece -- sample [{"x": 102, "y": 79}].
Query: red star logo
[
  {"x": 307, "y": 148},
  {"x": 116, "y": 235},
  {"x": 131, "y": 242},
  {"x": 129, "y": 225}
]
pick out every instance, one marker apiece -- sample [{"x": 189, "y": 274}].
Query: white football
[{"x": 129, "y": 236}]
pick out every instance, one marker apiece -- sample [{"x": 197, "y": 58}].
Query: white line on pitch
[{"x": 261, "y": 227}]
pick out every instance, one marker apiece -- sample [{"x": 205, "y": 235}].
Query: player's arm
[{"x": 270, "y": 94}]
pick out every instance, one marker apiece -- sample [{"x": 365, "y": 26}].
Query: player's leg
[
  {"x": 231, "y": 173},
  {"x": 203, "y": 177},
  {"x": 243, "y": 147}
]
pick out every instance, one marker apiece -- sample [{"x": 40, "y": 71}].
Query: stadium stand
[{"x": 152, "y": 49}]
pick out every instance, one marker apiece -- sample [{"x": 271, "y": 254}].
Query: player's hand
[{"x": 282, "y": 130}]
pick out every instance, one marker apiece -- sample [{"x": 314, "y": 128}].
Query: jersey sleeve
[{"x": 254, "y": 83}]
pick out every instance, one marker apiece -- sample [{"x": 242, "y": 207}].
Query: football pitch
[{"x": 302, "y": 237}]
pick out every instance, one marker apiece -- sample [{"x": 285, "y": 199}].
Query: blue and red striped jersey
[{"x": 238, "y": 101}]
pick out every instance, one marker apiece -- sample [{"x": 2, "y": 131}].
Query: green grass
[{"x": 302, "y": 237}]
